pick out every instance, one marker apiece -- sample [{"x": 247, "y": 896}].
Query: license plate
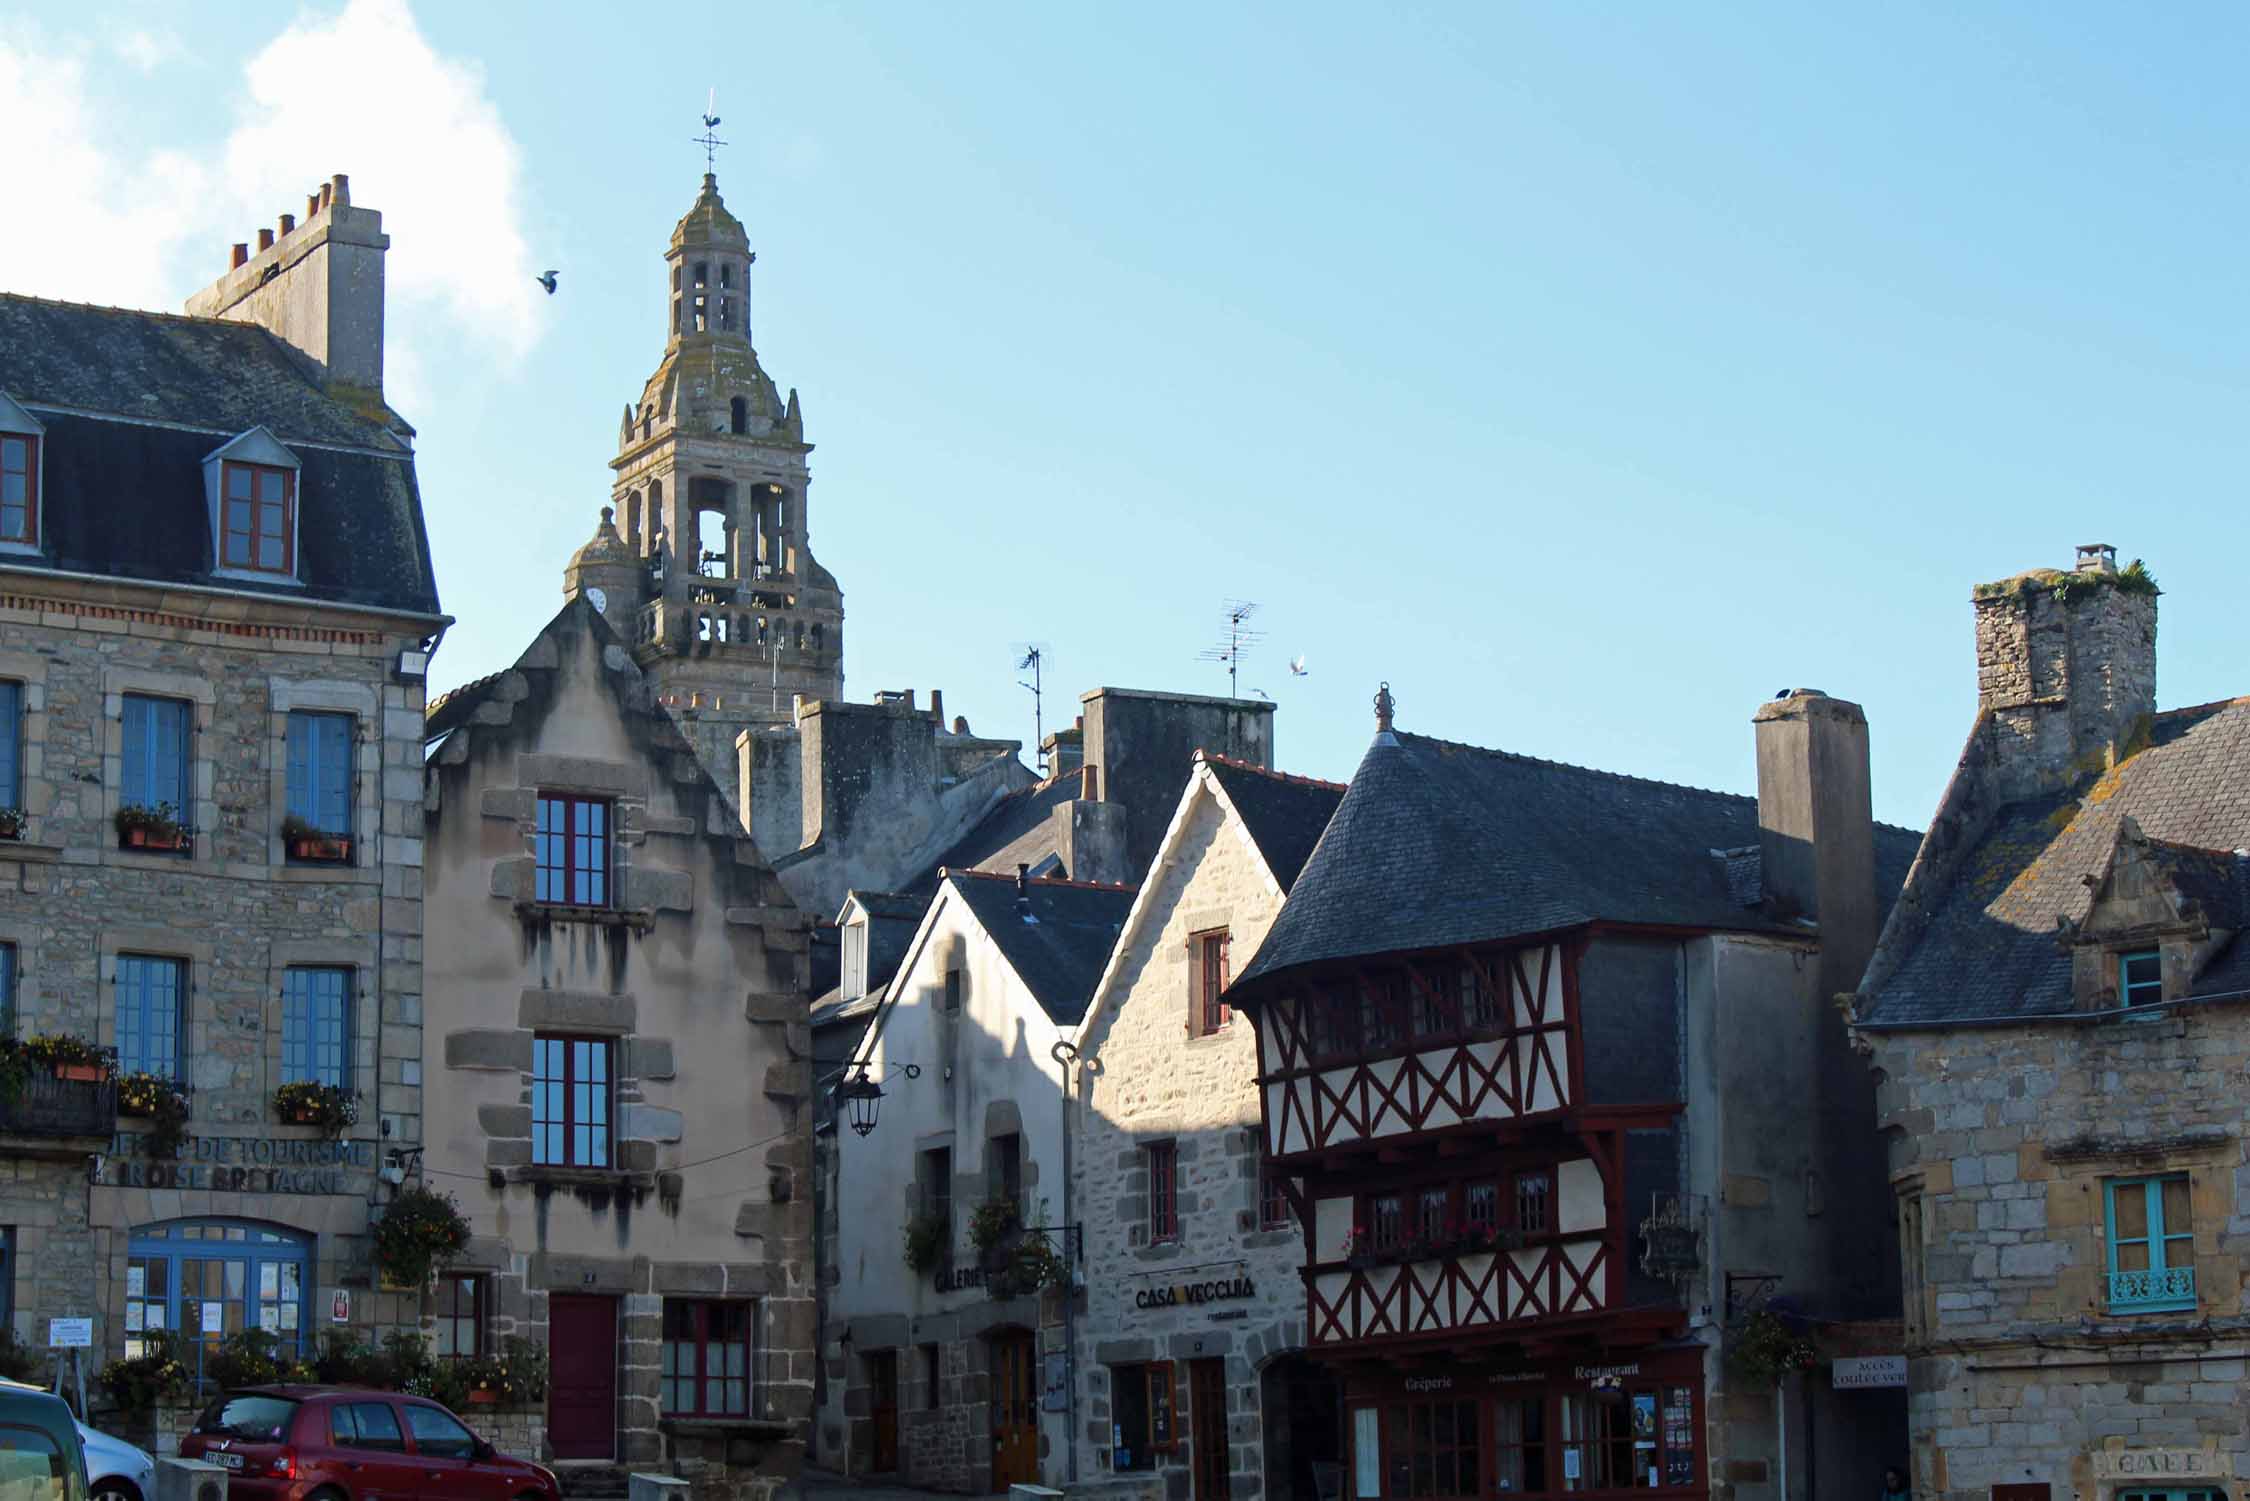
[{"x": 224, "y": 1460}]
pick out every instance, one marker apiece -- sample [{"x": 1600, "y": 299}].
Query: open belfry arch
[{"x": 704, "y": 560}]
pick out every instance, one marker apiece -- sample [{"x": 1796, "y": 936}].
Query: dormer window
[
  {"x": 19, "y": 489},
  {"x": 250, "y": 484},
  {"x": 2140, "y": 978},
  {"x": 20, "y": 435},
  {"x": 258, "y": 523}
]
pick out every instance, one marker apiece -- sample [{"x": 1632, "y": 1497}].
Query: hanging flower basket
[
  {"x": 420, "y": 1230},
  {"x": 161, "y": 1101},
  {"x": 1765, "y": 1348}
]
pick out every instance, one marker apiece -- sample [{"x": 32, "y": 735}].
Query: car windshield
[{"x": 248, "y": 1415}]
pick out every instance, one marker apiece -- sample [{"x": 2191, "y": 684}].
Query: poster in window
[
  {"x": 1679, "y": 1436},
  {"x": 155, "y": 1318},
  {"x": 133, "y": 1316},
  {"x": 269, "y": 1319},
  {"x": 136, "y": 1281},
  {"x": 1367, "y": 1456},
  {"x": 1644, "y": 1420}
]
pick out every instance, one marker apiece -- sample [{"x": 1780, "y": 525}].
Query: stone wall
[
  {"x": 2002, "y": 1142},
  {"x": 234, "y": 908},
  {"x": 1144, "y": 1078}
]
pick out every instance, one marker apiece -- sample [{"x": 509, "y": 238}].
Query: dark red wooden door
[
  {"x": 1015, "y": 1411},
  {"x": 582, "y": 1376},
  {"x": 1207, "y": 1418}
]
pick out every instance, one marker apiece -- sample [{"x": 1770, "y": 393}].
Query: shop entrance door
[
  {"x": 1015, "y": 1411},
  {"x": 582, "y": 1376},
  {"x": 1207, "y": 1417},
  {"x": 882, "y": 1409}
]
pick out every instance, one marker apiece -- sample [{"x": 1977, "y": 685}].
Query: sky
[{"x": 1587, "y": 372}]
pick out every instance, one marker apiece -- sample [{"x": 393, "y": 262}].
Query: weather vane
[{"x": 709, "y": 140}]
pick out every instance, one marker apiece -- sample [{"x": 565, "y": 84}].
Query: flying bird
[
  {"x": 1298, "y": 667},
  {"x": 547, "y": 280}
]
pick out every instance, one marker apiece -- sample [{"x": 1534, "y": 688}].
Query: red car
[{"x": 331, "y": 1443}]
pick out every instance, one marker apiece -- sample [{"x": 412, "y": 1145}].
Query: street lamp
[{"x": 864, "y": 1096}]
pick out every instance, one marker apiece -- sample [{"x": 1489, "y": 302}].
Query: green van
[{"x": 40, "y": 1457}]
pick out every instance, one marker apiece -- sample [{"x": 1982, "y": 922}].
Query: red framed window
[
  {"x": 1433, "y": 1448},
  {"x": 19, "y": 488},
  {"x": 573, "y": 850},
  {"x": 1163, "y": 1159},
  {"x": 706, "y": 1358},
  {"x": 1207, "y": 956},
  {"x": 460, "y": 1315},
  {"x": 1385, "y": 1219},
  {"x": 1535, "y": 1201},
  {"x": 1273, "y": 1200},
  {"x": 1480, "y": 1205},
  {"x": 570, "y": 1084},
  {"x": 258, "y": 511},
  {"x": 1480, "y": 998}
]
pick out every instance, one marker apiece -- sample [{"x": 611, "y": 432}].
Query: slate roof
[
  {"x": 1060, "y": 953},
  {"x": 124, "y": 496},
  {"x": 1284, "y": 814},
  {"x": 1985, "y": 949},
  {"x": 1022, "y": 812},
  {"x": 1436, "y": 843}
]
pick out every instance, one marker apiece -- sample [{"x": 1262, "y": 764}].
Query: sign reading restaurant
[{"x": 243, "y": 1164}]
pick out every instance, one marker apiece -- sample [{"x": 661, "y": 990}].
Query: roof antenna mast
[
  {"x": 1034, "y": 661},
  {"x": 1239, "y": 639}
]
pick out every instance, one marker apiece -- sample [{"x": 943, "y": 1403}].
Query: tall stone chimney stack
[
  {"x": 1816, "y": 825},
  {"x": 318, "y": 284},
  {"x": 2066, "y": 669}
]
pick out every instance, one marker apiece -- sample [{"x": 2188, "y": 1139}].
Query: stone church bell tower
[{"x": 704, "y": 561}]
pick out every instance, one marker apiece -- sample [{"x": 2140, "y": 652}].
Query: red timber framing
[
  {"x": 1566, "y": 1275},
  {"x": 1586, "y": 1421},
  {"x": 1452, "y": 1041}
]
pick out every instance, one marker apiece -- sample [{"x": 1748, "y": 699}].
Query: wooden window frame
[
  {"x": 934, "y": 1188},
  {"x": 1159, "y": 1440},
  {"x": 2158, "y": 1236},
  {"x": 600, "y": 1140},
  {"x": 933, "y": 1374},
  {"x": 699, "y": 1314},
  {"x": 1402, "y": 1446},
  {"x": 1513, "y": 1200},
  {"x": 2127, "y": 985},
  {"x": 306, "y": 1039},
  {"x": 146, "y": 795},
  {"x": 1209, "y": 971},
  {"x": 179, "y": 1008},
  {"x": 11, "y": 969},
  {"x": 451, "y": 1285},
  {"x": 29, "y": 535},
  {"x": 12, "y": 717},
  {"x": 1003, "y": 1179},
  {"x": 257, "y": 533},
  {"x": 956, "y": 986},
  {"x": 585, "y": 875},
  {"x": 1274, "y": 1212},
  {"x": 1163, "y": 1161},
  {"x": 305, "y": 779}
]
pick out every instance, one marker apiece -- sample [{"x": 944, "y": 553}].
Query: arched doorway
[
  {"x": 202, "y": 1280},
  {"x": 1304, "y": 1426}
]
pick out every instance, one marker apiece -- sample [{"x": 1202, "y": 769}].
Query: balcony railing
[
  {"x": 2161, "y": 1290},
  {"x": 43, "y": 1106}
]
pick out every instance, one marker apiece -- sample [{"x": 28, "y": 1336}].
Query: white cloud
[
  {"x": 363, "y": 92},
  {"x": 108, "y": 218},
  {"x": 88, "y": 223}
]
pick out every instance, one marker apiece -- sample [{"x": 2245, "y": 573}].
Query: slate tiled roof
[
  {"x": 1060, "y": 951},
  {"x": 1017, "y": 816},
  {"x": 1986, "y": 949},
  {"x": 124, "y": 489},
  {"x": 1436, "y": 843},
  {"x": 1284, "y": 814}
]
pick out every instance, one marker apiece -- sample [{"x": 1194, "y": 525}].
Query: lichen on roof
[{"x": 2070, "y": 586}]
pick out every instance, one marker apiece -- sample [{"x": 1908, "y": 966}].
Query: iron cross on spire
[{"x": 709, "y": 140}]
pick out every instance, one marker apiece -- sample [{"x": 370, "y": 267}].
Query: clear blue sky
[{"x": 1588, "y": 372}]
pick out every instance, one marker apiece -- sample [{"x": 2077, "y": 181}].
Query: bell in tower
[{"x": 731, "y": 616}]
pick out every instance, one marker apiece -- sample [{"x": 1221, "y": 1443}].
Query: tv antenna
[
  {"x": 1034, "y": 661},
  {"x": 1239, "y": 638},
  {"x": 709, "y": 140}
]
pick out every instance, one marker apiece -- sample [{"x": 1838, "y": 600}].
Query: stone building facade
[
  {"x": 622, "y": 1078},
  {"x": 1192, "y": 1281},
  {"x": 2055, "y": 1015},
  {"x": 215, "y": 596}
]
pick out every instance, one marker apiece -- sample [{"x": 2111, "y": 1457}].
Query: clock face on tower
[{"x": 599, "y": 599}]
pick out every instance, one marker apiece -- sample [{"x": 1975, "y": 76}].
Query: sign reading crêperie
[{"x": 1863, "y": 1372}]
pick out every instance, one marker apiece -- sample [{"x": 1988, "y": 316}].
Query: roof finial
[
  {"x": 1384, "y": 704},
  {"x": 709, "y": 140}
]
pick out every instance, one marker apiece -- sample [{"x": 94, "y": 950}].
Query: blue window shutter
[
  {"x": 11, "y": 745},
  {"x": 171, "y": 719},
  {"x": 136, "y": 789},
  {"x": 2109, "y": 1220},
  {"x": 335, "y": 777},
  {"x": 300, "y": 800}
]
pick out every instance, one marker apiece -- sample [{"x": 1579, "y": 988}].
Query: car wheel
[{"x": 114, "y": 1488}]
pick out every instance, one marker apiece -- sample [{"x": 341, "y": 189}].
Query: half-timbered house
[{"x": 1549, "y": 1067}]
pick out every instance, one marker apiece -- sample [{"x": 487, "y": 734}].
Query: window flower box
[
  {"x": 305, "y": 1103},
  {"x": 161, "y": 1101},
  {"x": 310, "y": 846},
  {"x": 66, "y": 1056},
  {"x": 158, "y": 828},
  {"x": 11, "y": 823}
]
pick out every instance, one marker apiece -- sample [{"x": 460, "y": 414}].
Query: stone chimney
[
  {"x": 2066, "y": 669},
  {"x": 1816, "y": 825},
  {"x": 1064, "y": 751},
  {"x": 318, "y": 284},
  {"x": 1138, "y": 748}
]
